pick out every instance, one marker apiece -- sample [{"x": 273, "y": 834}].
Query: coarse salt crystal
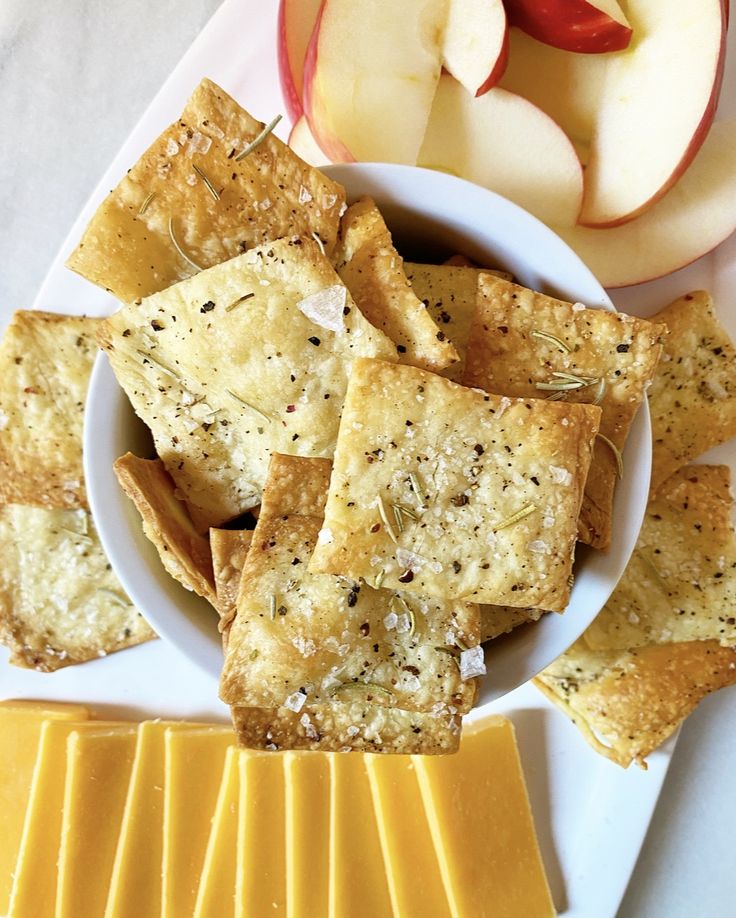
[
  {"x": 325, "y": 308},
  {"x": 343, "y": 208},
  {"x": 295, "y": 701},
  {"x": 191, "y": 179},
  {"x": 304, "y": 196},
  {"x": 330, "y": 201},
  {"x": 578, "y": 307},
  {"x": 716, "y": 387},
  {"x": 633, "y": 618},
  {"x": 502, "y": 406},
  {"x": 353, "y": 730},
  {"x": 390, "y": 621},
  {"x": 198, "y": 143},
  {"x": 172, "y": 147},
  {"x": 538, "y": 547},
  {"x": 403, "y": 623},
  {"x": 409, "y": 560},
  {"x": 560, "y": 475},
  {"x": 309, "y": 730},
  {"x": 325, "y": 537},
  {"x": 412, "y": 683},
  {"x": 472, "y": 663}
]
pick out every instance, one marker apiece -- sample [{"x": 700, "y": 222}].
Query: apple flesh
[
  {"x": 505, "y": 143},
  {"x": 697, "y": 214},
  {"x": 302, "y": 142},
  {"x": 657, "y": 103},
  {"x": 475, "y": 46},
  {"x": 587, "y": 26},
  {"x": 295, "y": 24}
]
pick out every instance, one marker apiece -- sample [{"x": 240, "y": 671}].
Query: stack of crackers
[{"x": 367, "y": 467}]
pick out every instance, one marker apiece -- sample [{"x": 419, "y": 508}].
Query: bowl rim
[{"x": 189, "y": 623}]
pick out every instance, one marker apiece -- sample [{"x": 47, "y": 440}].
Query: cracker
[
  {"x": 229, "y": 549},
  {"x": 615, "y": 354},
  {"x": 373, "y": 272},
  {"x": 301, "y": 638},
  {"x": 60, "y": 603},
  {"x": 183, "y": 551},
  {"x": 680, "y": 584},
  {"x": 627, "y": 704},
  {"x": 357, "y": 726},
  {"x": 45, "y": 364},
  {"x": 128, "y": 246},
  {"x": 692, "y": 398},
  {"x": 500, "y": 483},
  {"x": 223, "y": 381},
  {"x": 498, "y": 620}
]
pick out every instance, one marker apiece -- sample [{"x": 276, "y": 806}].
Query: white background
[{"x": 74, "y": 77}]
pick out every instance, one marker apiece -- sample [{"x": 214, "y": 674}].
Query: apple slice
[
  {"x": 505, "y": 143},
  {"x": 295, "y": 24},
  {"x": 370, "y": 75},
  {"x": 565, "y": 86},
  {"x": 697, "y": 214},
  {"x": 302, "y": 142},
  {"x": 475, "y": 46},
  {"x": 657, "y": 103},
  {"x": 588, "y": 26}
]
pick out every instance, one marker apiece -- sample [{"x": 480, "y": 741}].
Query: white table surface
[{"x": 74, "y": 78}]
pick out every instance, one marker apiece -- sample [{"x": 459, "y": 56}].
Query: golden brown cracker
[
  {"x": 498, "y": 620},
  {"x": 692, "y": 398},
  {"x": 45, "y": 364},
  {"x": 229, "y": 549},
  {"x": 488, "y": 489},
  {"x": 191, "y": 202},
  {"x": 525, "y": 344}
]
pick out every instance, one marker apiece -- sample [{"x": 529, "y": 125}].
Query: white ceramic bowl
[{"x": 428, "y": 212}]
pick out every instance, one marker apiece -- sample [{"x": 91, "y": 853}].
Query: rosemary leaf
[
  {"x": 384, "y": 516},
  {"x": 616, "y": 453},
  {"x": 146, "y": 203},
  {"x": 241, "y": 299},
  {"x": 210, "y": 187},
  {"x": 515, "y": 517},
  {"x": 116, "y": 597},
  {"x": 272, "y": 606},
  {"x": 157, "y": 363},
  {"x": 398, "y": 518},
  {"x": 380, "y": 577},
  {"x": 258, "y": 140},
  {"x": 239, "y": 398},
  {"x": 178, "y": 248},
  {"x": 600, "y": 392},
  {"x": 416, "y": 486},
  {"x": 550, "y": 339},
  {"x": 319, "y": 243}
]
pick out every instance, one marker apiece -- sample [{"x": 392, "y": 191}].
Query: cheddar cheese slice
[
  {"x": 99, "y": 764},
  {"x": 307, "y": 777},
  {"x": 412, "y": 870},
  {"x": 260, "y": 886},
  {"x": 34, "y": 885},
  {"x": 20, "y": 730},
  {"x": 195, "y": 759},
  {"x": 135, "y": 885},
  {"x": 481, "y": 825},
  {"x": 216, "y": 893},
  {"x": 358, "y": 885}
]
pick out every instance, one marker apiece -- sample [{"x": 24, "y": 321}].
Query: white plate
[{"x": 591, "y": 816}]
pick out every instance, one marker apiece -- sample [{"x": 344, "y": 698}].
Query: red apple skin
[
  {"x": 291, "y": 97},
  {"x": 571, "y": 25},
  {"x": 499, "y": 67},
  {"x": 696, "y": 142},
  {"x": 332, "y": 146}
]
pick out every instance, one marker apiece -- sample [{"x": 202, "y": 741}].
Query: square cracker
[
  {"x": 373, "y": 272},
  {"x": 168, "y": 199},
  {"x": 617, "y": 353},
  {"x": 326, "y": 638},
  {"x": 680, "y": 584},
  {"x": 224, "y": 381},
  {"x": 449, "y": 292},
  {"x": 183, "y": 551},
  {"x": 229, "y": 549},
  {"x": 500, "y": 483},
  {"x": 693, "y": 394},
  {"x": 498, "y": 620},
  {"x": 358, "y": 726},
  {"x": 60, "y": 603},
  {"x": 627, "y": 704},
  {"x": 45, "y": 364}
]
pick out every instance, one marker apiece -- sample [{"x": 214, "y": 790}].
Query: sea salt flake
[
  {"x": 198, "y": 143},
  {"x": 538, "y": 547},
  {"x": 578, "y": 307},
  {"x": 304, "y": 196},
  {"x": 309, "y": 730},
  {"x": 472, "y": 663},
  {"x": 191, "y": 179},
  {"x": 409, "y": 560},
  {"x": 633, "y": 618},
  {"x": 716, "y": 387},
  {"x": 390, "y": 621},
  {"x": 325, "y": 537},
  {"x": 560, "y": 475},
  {"x": 403, "y": 623},
  {"x": 295, "y": 701},
  {"x": 325, "y": 308},
  {"x": 172, "y": 147},
  {"x": 412, "y": 683}
]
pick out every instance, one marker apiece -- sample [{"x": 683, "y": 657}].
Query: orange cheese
[
  {"x": 34, "y": 886},
  {"x": 20, "y": 731},
  {"x": 260, "y": 886},
  {"x": 216, "y": 893},
  {"x": 307, "y": 777},
  {"x": 195, "y": 759},
  {"x": 99, "y": 764},
  {"x": 135, "y": 884},
  {"x": 358, "y": 885},
  {"x": 481, "y": 825},
  {"x": 413, "y": 873}
]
